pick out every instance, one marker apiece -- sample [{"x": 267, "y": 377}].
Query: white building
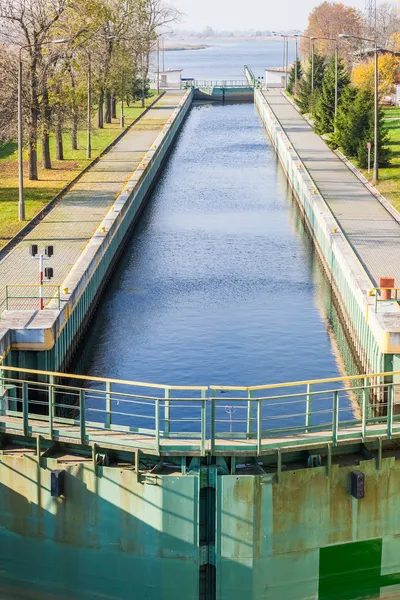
[
  {"x": 170, "y": 79},
  {"x": 275, "y": 78}
]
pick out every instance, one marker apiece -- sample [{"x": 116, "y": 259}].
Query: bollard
[{"x": 386, "y": 282}]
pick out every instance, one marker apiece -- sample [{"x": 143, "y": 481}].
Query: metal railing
[
  {"x": 212, "y": 83},
  {"x": 30, "y": 300},
  {"x": 251, "y": 78},
  {"x": 377, "y": 293},
  {"x": 198, "y": 419}
]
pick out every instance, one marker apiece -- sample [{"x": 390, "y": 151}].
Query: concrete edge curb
[{"x": 18, "y": 237}]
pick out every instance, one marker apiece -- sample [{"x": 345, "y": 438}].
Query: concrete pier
[
  {"x": 87, "y": 228},
  {"x": 357, "y": 235}
]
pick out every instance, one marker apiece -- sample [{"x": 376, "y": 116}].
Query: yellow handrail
[
  {"x": 274, "y": 386},
  {"x": 106, "y": 380},
  {"x": 270, "y": 386}
]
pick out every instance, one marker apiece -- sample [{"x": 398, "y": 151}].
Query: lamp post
[
  {"x": 158, "y": 65},
  {"x": 376, "y": 107},
  {"x": 89, "y": 108},
  {"x": 311, "y": 40},
  {"x": 21, "y": 198},
  {"x": 285, "y": 54},
  {"x": 336, "y": 67}
]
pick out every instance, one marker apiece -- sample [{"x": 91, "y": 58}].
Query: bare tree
[
  {"x": 387, "y": 22},
  {"x": 30, "y": 24}
]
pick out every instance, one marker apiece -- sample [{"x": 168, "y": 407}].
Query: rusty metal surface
[{"x": 116, "y": 536}]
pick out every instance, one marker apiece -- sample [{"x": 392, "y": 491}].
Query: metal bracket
[
  {"x": 203, "y": 477},
  {"x": 207, "y": 554},
  {"x": 102, "y": 460},
  {"x": 314, "y": 461},
  {"x": 208, "y": 476}
]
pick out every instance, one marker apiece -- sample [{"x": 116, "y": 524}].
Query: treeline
[
  {"x": 314, "y": 89},
  {"x": 60, "y": 41}
]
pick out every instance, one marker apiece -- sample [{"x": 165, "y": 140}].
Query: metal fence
[
  {"x": 197, "y": 418},
  {"x": 29, "y": 297},
  {"x": 212, "y": 83}
]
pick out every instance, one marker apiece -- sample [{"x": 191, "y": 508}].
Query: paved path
[
  {"x": 370, "y": 228},
  {"x": 73, "y": 220}
]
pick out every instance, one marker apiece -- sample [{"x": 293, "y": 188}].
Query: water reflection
[{"x": 220, "y": 283}]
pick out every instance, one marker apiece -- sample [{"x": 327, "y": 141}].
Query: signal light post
[{"x": 45, "y": 273}]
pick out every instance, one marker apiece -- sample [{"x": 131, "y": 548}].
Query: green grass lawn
[
  {"x": 389, "y": 177},
  {"x": 39, "y": 193}
]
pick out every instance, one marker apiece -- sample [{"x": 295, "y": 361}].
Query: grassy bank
[
  {"x": 389, "y": 177},
  {"x": 39, "y": 193}
]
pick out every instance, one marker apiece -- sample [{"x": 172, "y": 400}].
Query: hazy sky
[{"x": 246, "y": 14}]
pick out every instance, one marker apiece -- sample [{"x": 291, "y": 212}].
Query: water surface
[{"x": 215, "y": 286}]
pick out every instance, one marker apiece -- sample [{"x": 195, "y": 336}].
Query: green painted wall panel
[{"x": 110, "y": 537}]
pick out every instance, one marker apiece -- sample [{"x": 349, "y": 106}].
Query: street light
[
  {"x": 311, "y": 40},
  {"x": 346, "y": 36},
  {"x": 285, "y": 53},
  {"x": 21, "y": 200},
  {"x": 336, "y": 67}
]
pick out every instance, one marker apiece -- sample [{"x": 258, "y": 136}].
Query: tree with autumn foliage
[
  {"x": 363, "y": 75},
  {"x": 328, "y": 20}
]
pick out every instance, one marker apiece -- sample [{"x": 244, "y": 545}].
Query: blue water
[
  {"x": 225, "y": 59},
  {"x": 216, "y": 286}
]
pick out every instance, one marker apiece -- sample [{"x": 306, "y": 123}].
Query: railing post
[
  {"x": 6, "y": 297},
  {"x": 308, "y": 406},
  {"x": 363, "y": 412},
  {"x": 167, "y": 413},
  {"x": 2, "y": 392},
  {"x": 249, "y": 414},
  {"x": 25, "y": 408},
  {"x": 108, "y": 404},
  {"x": 259, "y": 425},
  {"x": 213, "y": 423},
  {"x": 59, "y": 298},
  {"x": 157, "y": 423},
  {"x": 203, "y": 421},
  {"x": 82, "y": 416},
  {"x": 390, "y": 398},
  {"x": 51, "y": 405},
  {"x": 335, "y": 418}
]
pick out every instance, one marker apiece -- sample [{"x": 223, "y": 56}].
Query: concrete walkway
[
  {"x": 75, "y": 218},
  {"x": 371, "y": 230}
]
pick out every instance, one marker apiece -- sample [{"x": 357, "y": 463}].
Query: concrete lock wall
[
  {"x": 112, "y": 537},
  {"x": 349, "y": 281}
]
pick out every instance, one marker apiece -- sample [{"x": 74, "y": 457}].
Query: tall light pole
[
  {"x": 89, "y": 108},
  {"x": 311, "y": 40},
  {"x": 336, "y": 79},
  {"x": 312, "y": 62},
  {"x": 21, "y": 198},
  {"x": 285, "y": 54},
  {"x": 376, "y": 107},
  {"x": 336, "y": 67},
  {"x": 158, "y": 65}
]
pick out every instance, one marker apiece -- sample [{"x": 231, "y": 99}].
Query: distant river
[{"x": 225, "y": 59}]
